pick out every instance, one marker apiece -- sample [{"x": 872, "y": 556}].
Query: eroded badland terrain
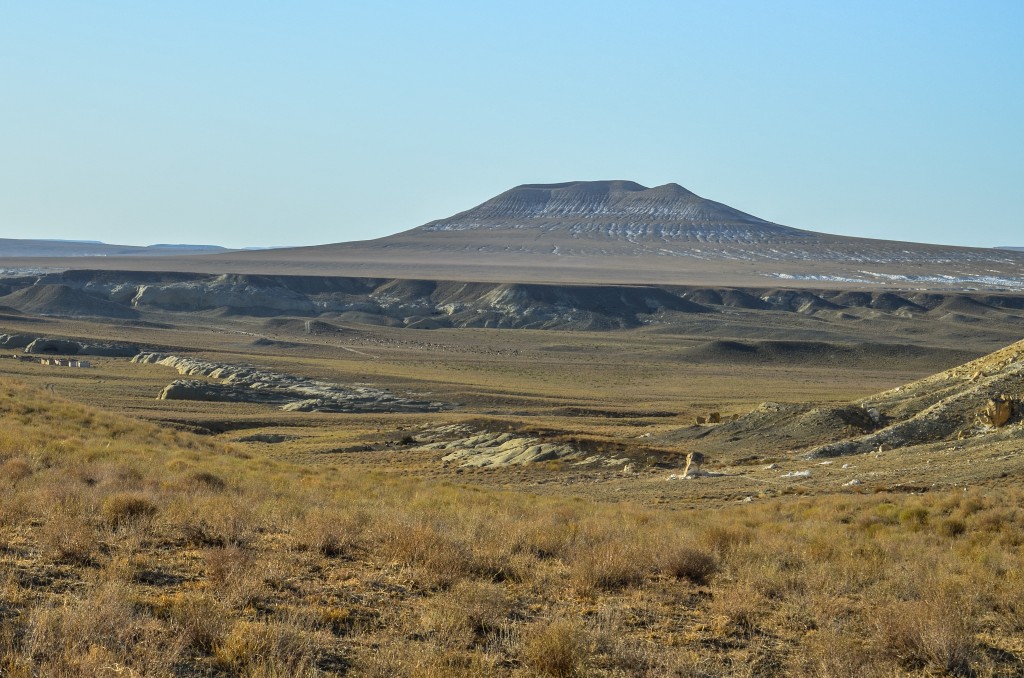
[{"x": 256, "y": 474}]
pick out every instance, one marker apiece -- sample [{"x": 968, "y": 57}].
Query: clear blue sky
[{"x": 259, "y": 123}]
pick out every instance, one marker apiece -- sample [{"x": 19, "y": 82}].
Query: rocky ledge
[
  {"x": 292, "y": 393},
  {"x": 493, "y": 449}
]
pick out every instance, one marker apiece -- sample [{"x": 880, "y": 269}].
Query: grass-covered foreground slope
[{"x": 127, "y": 550}]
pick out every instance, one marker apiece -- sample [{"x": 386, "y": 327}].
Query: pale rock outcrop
[{"x": 249, "y": 385}]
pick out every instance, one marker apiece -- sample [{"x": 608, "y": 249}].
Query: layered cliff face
[{"x": 429, "y": 304}]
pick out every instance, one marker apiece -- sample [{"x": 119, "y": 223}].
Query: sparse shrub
[
  {"x": 914, "y": 517},
  {"x": 330, "y": 533},
  {"x": 227, "y": 564},
  {"x": 928, "y": 634},
  {"x": 424, "y": 661},
  {"x": 736, "y": 608},
  {"x": 887, "y": 514},
  {"x": 441, "y": 559},
  {"x": 338, "y": 620},
  {"x": 99, "y": 629},
  {"x": 620, "y": 652},
  {"x": 831, "y": 654},
  {"x": 69, "y": 538},
  {"x": 685, "y": 562},
  {"x": 553, "y": 537},
  {"x": 123, "y": 507},
  {"x": 207, "y": 481},
  {"x": 485, "y": 605},
  {"x": 722, "y": 538},
  {"x": 557, "y": 648},
  {"x": 470, "y": 611},
  {"x": 15, "y": 470},
  {"x": 995, "y": 519},
  {"x": 952, "y": 527},
  {"x": 201, "y": 620},
  {"x": 1010, "y": 607},
  {"x": 972, "y": 503},
  {"x": 608, "y": 566},
  {"x": 217, "y": 520},
  {"x": 451, "y": 580},
  {"x": 200, "y": 533},
  {"x": 266, "y": 648}
]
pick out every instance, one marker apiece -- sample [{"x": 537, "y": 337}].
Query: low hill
[
  {"x": 14, "y": 248},
  {"x": 953, "y": 407},
  {"x": 65, "y": 301},
  {"x": 868, "y": 355}
]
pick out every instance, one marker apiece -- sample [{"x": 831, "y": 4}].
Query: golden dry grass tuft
[{"x": 556, "y": 648}]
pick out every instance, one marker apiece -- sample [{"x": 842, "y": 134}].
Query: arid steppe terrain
[
  {"x": 320, "y": 496},
  {"x": 629, "y": 431}
]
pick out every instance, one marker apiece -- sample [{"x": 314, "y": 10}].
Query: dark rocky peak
[
  {"x": 611, "y": 208},
  {"x": 597, "y": 198}
]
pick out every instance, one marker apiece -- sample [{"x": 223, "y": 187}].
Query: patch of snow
[
  {"x": 986, "y": 280},
  {"x": 816, "y": 277},
  {"x": 872, "y": 277},
  {"x": 24, "y": 272}
]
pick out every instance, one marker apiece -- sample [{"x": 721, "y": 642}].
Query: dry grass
[
  {"x": 686, "y": 562},
  {"x": 557, "y": 648},
  {"x": 934, "y": 634},
  {"x": 142, "y": 551}
]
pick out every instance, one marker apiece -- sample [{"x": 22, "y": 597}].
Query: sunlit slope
[{"x": 975, "y": 404}]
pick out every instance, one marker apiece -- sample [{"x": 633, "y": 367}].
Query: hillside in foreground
[{"x": 140, "y": 550}]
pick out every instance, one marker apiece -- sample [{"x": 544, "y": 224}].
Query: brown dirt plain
[{"x": 154, "y": 537}]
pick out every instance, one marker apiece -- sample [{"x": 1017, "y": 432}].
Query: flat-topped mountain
[
  {"x": 614, "y": 210},
  {"x": 612, "y": 232}
]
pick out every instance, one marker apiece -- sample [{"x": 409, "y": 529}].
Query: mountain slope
[
  {"x": 614, "y": 210},
  {"x": 602, "y": 232},
  {"x": 621, "y": 231}
]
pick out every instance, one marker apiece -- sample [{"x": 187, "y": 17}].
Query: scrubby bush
[
  {"x": 124, "y": 507},
  {"x": 557, "y": 648},
  {"x": 686, "y": 562}
]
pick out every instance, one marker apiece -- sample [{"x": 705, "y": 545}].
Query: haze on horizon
[{"x": 264, "y": 125}]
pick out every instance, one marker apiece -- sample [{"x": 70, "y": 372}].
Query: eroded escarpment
[
  {"x": 431, "y": 304},
  {"x": 220, "y": 382}
]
